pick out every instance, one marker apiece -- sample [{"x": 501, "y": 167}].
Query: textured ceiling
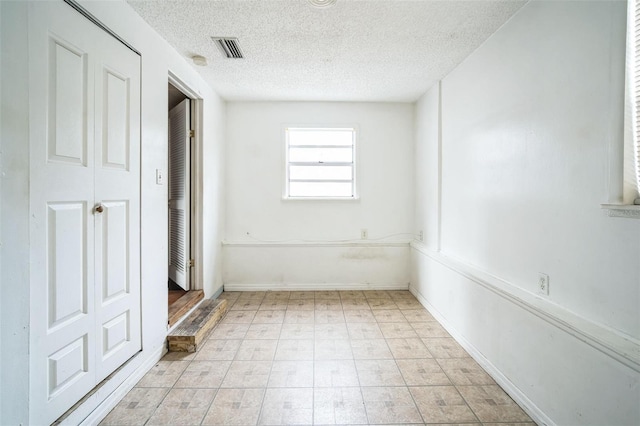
[{"x": 357, "y": 50}]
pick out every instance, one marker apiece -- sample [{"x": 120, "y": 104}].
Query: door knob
[{"x": 99, "y": 208}]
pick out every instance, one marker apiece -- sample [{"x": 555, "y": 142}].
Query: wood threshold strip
[
  {"x": 191, "y": 333},
  {"x": 180, "y": 307}
]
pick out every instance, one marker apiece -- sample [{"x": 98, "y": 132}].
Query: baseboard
[
  {"x": 218, "y": 292},
  {"x": 313, "y": 287},
  {"x": 512, "y": 390},
  {"x": 110, "y": 402}
]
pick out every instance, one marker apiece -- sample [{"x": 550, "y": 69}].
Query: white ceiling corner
[{"x": 356, "y": 50}]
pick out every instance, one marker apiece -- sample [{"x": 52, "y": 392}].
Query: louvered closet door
[
  {"x": 179, "y": 191},
  {"x": 84, "y": 152}
]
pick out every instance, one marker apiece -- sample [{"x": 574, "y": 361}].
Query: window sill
[{"x": 631, "y": 211}]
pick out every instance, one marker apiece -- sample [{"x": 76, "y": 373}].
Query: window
[
  {"x": 320, "y": 163},
  {"x": 632, "y": 148},
  {"x": 624, "y": 177}
]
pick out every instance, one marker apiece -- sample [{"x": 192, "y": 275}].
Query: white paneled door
[
  {"x": 179, "y": 190},
  {"x": 85, "y": 207}
]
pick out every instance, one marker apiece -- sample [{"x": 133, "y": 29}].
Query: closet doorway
[{"x": 182, "y": 192}]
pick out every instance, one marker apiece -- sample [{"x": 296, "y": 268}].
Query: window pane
[
  {"x": 321, "y": 137},
  {"x": 321, "y": 155},
  {"x": 320, "y": 189},
  {"x": 320, "y": 172}
]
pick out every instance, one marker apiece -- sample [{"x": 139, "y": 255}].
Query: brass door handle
[{"x": 99, "y": 208}]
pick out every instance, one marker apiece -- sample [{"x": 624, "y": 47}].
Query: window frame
[
  {"x": 632, "y": 91},
  {"x": 624, "y": 148},
  {"x": 353, "y": 164}
]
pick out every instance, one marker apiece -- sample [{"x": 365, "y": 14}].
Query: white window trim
[
  {"x": 633, "y": 77},
  {"x": 285, "y": 190},
  {"x": 621, "y": 204},
  {"x": 631, "y": 211}
]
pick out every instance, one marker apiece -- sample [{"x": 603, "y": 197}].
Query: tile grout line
[
  {"x": 313, "y": 366},
  {"x": 225, "y": 374},
  {"x": 264, "y": 395},
  {"x": 407, "y": 386}
]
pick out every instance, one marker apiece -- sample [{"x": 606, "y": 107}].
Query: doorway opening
[{"x": 183, "y": 285}]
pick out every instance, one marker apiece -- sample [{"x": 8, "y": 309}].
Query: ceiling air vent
[{"x": 229, "y": 47}]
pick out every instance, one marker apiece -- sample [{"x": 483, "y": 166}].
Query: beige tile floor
[{"x": 325, "y": 357}]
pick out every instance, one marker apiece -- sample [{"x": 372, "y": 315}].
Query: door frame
[{"x": 196, "y": 186}]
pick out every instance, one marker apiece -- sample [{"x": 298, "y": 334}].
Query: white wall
[
  {"x": 158, "y": 58},
  {"x": 256, "y": 212},
  {"x": 14, "y": 224},
  {"x": 427, "y": 167},
  {"x": 526, "y": 124}
]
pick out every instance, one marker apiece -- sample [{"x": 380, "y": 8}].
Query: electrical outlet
[
  {"x": 421, "y": 235},
  {"x": 364, "y": 234},
  {"x": 543, "y": 284}
]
